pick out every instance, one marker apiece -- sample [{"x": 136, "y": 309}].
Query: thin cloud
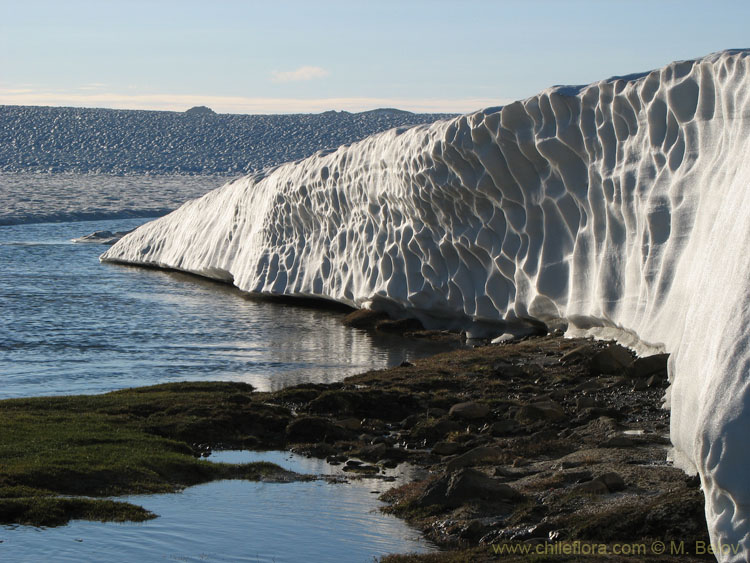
[
  {"x": 236, "y": 104},
  {"x": 16, "y": 91},
  {"x": 92, "y": 86},
  {"x": 302, "y": 74}
]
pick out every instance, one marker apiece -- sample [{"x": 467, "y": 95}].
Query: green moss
[{"x": 133, "y": 441}]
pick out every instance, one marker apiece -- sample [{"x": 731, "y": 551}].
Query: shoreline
[{"x": 542, "y": 441}]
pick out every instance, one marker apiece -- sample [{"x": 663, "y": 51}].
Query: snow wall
[{"x": 621, "y": 209}]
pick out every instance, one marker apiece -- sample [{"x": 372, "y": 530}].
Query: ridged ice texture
[{"x": 622, "y": 208}]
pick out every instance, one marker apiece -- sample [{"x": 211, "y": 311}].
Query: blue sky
[{"x": 304, "y": 56}]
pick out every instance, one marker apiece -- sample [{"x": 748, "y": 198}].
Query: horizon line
[{"x": 237, "y": 105}]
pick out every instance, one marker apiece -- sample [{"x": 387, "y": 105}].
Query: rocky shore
[
  {"x": 541, "y": 449},
  {"x": 538, "y": 449}
]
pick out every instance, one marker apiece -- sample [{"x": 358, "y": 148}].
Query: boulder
[
  {"x": 576, "y": 354},
  {"x": 613, "y": 359},
  {"x": 435, "y": 430},
  {"x": 446, "y": 448},
  {"x": 352, "y": 424},
  {"x": 469, "y": 410},
  {"x": 613, "y": 481},
  {"x": 504, "y": 427},
  {"x": 372, "y": 453},
  {"x": 593, "y": 487},
  {"x": 607, "y": 483},
  {"x": 310, "y": 429},
  {"x": 364, "y": 318},
  {"x": 477, "y": 456},
  {"x": 548, "y": 411},
  {"x": 466, "y": 485},
  {"x": 642, "y": 368}
]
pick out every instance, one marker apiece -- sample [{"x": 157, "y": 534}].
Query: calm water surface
[
  {"x": 236, "y": 521},
  {"x": 72, "y": 325}
]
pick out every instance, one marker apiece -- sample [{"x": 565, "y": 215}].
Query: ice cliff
[{"x": 621, "y": 208}]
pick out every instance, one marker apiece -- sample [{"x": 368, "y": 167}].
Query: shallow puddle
[{"x": 236, "y": 521}]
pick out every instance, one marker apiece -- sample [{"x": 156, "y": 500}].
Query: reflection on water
[
  {"x": 72, "y": 325},
  {"x": 235, "y": 521}
]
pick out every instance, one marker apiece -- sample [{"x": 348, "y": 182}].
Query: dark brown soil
[{"x": 542, "y": 442}]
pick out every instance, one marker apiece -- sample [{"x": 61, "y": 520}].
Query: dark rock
[
  {"x": 507, "y": 370},
  {"x": 512, "y": 473},
  {"x": 352, "y": 424},
  {"x": 656, "y": 380},
  {"x": 307, "y": 429},
  {"x": 320, "y": 450},
  {"x": 453, "y": 490},
  {"x": 435, "y": 430},
  {"x": 568, "y": 464},
  {"x": 504, "y": 427},
  {"x": 597, "y": 431},
  {"x": 589, "y": 385},
  {"x": 613, "y": 359},
  {"x": 469, "y": 410},
  {"x": 363, "y": 403},
  {"x": 387, "y": 440},
  {"x": 411, "y": 420},
  {"x": 476, "y": 456},
  {"x": 576, "y": 354},
  {"x": 361, "y": 468},
  {"x": 613, "y": 481},
  {"x": 607, "y": 483},
  {"x": 576, "y": 476},
  {"x": 593, "y": 487},
  {"x": 399, "y": 326},
  {"x": 364, "y": 318},
  {"x": 372, "y": 453},
  {"x": 693, "y": 481},
  {"x": 618, "y": 442},
  {"x": 614, "y": 382},
  {"x": 585, "y": 403},
  {"x": 548, "y": 411},
  {"x": 473, "y": 530},
  {"x": 648, "y": 366},
  {"x": 374, "y": 425},
  {"x": 598, "y": 412},
  {"x": 446, "y": 448},
  {"x": 640, "y": 385}
]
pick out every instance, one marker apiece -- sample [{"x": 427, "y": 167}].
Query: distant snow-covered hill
[{"x": 50, "y": 139}]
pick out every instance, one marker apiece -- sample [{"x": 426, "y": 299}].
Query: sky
[{"x": 310, "y": 56}]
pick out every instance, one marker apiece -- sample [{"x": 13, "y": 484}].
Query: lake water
[
  {"x": 226, "y": 521},
  {"x": 72, "y": 325}
]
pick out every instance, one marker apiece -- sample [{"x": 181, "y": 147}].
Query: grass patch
[{"x": 134, "y": 441}]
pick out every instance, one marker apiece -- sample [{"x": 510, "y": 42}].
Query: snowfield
[
  {"x": 108, "y": 141},
  {"x": 621, "y": 209},
  {"x": 54, "y": 198}
]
